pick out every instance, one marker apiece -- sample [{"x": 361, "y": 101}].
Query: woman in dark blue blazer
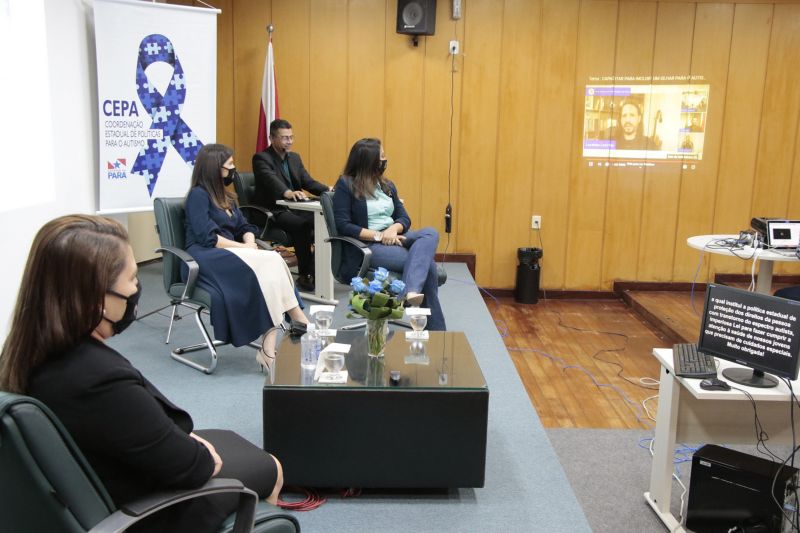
[
  {"x": 366, "y": 206},
  {"x": 251, "y": 289}
]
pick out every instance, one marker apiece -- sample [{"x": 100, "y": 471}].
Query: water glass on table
[
  {"x": 418, "y": 318},
  {"x": 322, "y": 321}
]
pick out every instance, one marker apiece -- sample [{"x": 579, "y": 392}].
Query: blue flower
[
  {"x": 397, "y": 286},
  {"x": 380, "y": 274},
  {"x": 358, "y": 284},
  {"x": 375, "y": 286}
]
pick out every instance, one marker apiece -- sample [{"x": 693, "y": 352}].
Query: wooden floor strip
[{"x": 577, "y": 334}]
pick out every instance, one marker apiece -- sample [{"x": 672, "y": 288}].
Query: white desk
[
  {"x": 323, "y": 277},
  {"x": 687, "y": 413},
  {"x": 765, "y": 256}
]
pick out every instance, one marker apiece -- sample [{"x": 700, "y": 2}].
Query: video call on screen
[{"x": 645, "y": 121}]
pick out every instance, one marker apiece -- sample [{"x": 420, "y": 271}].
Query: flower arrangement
[{"x": 378, "y": 300}]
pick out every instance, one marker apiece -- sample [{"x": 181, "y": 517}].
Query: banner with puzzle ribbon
[{"x": 156, "y": 97}]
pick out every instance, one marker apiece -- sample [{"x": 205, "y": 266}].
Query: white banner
[{"x": 157, "y": 103}]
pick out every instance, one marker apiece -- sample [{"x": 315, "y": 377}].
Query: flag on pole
[{"x": 269, "y": 101}]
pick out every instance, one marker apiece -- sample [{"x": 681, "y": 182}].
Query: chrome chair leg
[
  {"x": 209, "y": 344},
  {"x": 171, "y": 321}
]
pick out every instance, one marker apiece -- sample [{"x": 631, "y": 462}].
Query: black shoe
[
  {"x": 297, "y": 329},
  {"x": 305, "y": 282}
]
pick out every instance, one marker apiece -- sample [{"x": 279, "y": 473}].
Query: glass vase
[
  {"x": 376, "y": 332},
  {"x": 376, "y": 370}
]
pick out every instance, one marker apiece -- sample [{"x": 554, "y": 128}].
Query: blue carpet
[{"x": 526, "y": 487}]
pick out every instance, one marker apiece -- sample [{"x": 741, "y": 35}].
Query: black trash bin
[{"x": 526, "y": 290}]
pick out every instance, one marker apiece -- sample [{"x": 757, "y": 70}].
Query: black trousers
[
  {"x": 241, "y": 460},
  {"x": 300, "y": 227}
]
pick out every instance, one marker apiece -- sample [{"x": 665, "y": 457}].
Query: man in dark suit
[{"x": 280, "y": 174}]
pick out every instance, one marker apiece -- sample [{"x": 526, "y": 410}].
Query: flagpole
[{"x": 269, "y": 97}]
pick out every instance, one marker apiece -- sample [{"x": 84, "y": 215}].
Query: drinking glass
[
  {"x": 322, "y": 321},
  {"x": 418, "y": 323},
  {"x": 334, "y": 362}
]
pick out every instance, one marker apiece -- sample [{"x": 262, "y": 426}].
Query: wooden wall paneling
[
  {"x": 713, "y": 26},
  {"x": 672, "y": 56},
  {"x": 779, "y": 119},
  {"x": 743, "y": 105},
  {"x": 434, "y": 141},
  {"x": 366, "y": 53},
  {"x": 290, "y": 42},
  {"x": 404, "y": 137},
  {"x": 793, "y": 198},
  {"x": 478, "y": 147},
  {"x": 553, "y": 138},
  {"x": 597, "y": 28},
  {"x": 250, "y": 21},
  {"x": 636, "y": 25},
  {"x": 225, "y": 72},
  {"x": 327, "y": 48},
  {"x": 328, "y": 89},
  {"x": 519, "y": 67}
]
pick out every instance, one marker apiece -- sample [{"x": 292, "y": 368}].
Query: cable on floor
[{"x": 311, "y": 499}]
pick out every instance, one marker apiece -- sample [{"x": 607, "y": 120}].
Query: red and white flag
[{"x": 269, "y": 101}]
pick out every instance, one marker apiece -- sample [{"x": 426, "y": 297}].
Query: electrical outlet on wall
[{"x": 536, "y": 222}]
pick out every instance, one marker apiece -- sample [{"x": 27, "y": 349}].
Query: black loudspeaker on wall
[{"x": 416, "y": 17}]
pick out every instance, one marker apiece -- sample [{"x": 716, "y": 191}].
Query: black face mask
[
  {"x": 229, "y": 178},
  {"x": 132, "y": 304},
  {"x": 382, "y": 164}
]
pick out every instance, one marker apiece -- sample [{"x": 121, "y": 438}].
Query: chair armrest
[
  {"x": 194, "y": 268},
  {"x": 135, "y": 511},
  {"x": 268, "y": 215},
  {"x": 362, "y": 247}
]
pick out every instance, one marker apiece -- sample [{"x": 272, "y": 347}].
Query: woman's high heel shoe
[
  {"x": 415, "y": 300},
  {"x": 265, "y": 361}
]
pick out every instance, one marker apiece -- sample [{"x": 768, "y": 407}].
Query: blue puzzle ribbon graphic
[{"x": 165, "y": 111}]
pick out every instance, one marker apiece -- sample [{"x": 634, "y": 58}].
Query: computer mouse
[{"x": 714, "y": 384}]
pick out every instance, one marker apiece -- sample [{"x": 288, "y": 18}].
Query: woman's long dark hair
[
  {"x": 73, "y": 261},
  {"x": 363, "y": 168},
  {"x": 207, "y": 174}
]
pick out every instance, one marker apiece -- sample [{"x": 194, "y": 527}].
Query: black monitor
[{"x": 755, "y": 330}]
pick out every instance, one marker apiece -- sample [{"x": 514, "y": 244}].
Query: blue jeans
[
  {"x": 415, "y": 260},
  {"x": 791, "y": 293}
]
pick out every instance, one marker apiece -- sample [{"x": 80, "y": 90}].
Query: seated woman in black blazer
[{"x": 80, "y": 287}]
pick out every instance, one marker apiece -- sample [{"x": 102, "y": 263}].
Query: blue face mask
[{"x": 132, "y": 304}]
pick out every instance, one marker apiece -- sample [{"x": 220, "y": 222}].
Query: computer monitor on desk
[{"x": 755, "y": 330}]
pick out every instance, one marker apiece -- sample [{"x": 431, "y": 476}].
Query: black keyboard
[{"x": 689, "y": 363}]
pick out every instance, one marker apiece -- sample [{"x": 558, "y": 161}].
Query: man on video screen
[{"x": 629, "y": 133}]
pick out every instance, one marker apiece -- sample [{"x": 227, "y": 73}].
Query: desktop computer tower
[{"x": 731, "y": 491}]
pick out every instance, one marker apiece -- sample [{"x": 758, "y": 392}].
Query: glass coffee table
[{"x": 425, "y": 430}]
